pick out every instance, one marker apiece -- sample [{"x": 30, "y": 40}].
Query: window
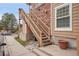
[
  {"x": 63, "y": 22},
  {"x": 63, "y": 19}
]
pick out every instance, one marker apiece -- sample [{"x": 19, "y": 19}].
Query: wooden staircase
[
  {"x": 39, "y": 29},
  {"x": 46, "y": 41}
]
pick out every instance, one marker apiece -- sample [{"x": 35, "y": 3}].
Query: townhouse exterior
[{"x": 51, "y": 22}]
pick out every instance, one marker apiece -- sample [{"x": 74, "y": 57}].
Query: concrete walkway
[
  {"x": 16, "y": 49},
  {"x": 56, "y": 51}
]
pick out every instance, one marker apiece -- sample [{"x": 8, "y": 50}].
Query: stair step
[
  {"x": 47, "y": 43},
  {"x": 44, "y": 38},
  {"x": 39, "y": 53},
  {"x": 47, "y": 40},
  {"x": 43, "y": 35}
]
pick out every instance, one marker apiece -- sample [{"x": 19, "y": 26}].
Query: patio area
[{"x": 57, "y": 51}]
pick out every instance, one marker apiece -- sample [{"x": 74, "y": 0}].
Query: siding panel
[{"x": 75, "y": 22}]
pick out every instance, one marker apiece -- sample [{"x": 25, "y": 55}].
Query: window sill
[{"x": 63, "y": 29}]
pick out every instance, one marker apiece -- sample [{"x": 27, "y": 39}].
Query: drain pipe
[{"x": 51, "y": 22}]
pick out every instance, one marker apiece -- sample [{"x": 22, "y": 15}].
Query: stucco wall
[
  {"x": 23, "y": 31},
  {"x": 26, "y": 33}
]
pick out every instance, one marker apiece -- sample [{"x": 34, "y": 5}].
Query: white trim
[{"x": 70, "y": 14}]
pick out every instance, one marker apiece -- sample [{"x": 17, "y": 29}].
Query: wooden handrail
[
  {"x": 43, "y": 25},
  {"x": 33, "y": 26},
  {"x": 32, "y": 22}
]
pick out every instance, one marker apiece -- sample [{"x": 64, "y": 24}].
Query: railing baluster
[{"x": 44, "y": 27}]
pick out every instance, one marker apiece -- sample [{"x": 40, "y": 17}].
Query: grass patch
[{"x": 24, "y": 43}]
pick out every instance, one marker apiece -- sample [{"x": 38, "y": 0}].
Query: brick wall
[{"x": 43, "y": 12}]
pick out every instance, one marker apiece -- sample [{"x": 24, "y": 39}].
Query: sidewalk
[{"x": 16, "y": 49}]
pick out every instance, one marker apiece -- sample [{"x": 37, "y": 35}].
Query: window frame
[{"x": 70, "y": 15}]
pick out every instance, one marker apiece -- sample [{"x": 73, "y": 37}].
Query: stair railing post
[{"x": 40, "y": 40}]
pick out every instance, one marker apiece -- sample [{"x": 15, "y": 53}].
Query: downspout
[{"x": 51, "y": 22}]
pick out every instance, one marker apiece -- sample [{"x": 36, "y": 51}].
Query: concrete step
[
  {"x": 45, "y": 52},
  {"x": 38, "y": 52},
  {"x": 55, "y": 50}
]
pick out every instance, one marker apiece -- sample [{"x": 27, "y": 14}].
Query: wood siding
[{"x": 75, "y": 22}]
